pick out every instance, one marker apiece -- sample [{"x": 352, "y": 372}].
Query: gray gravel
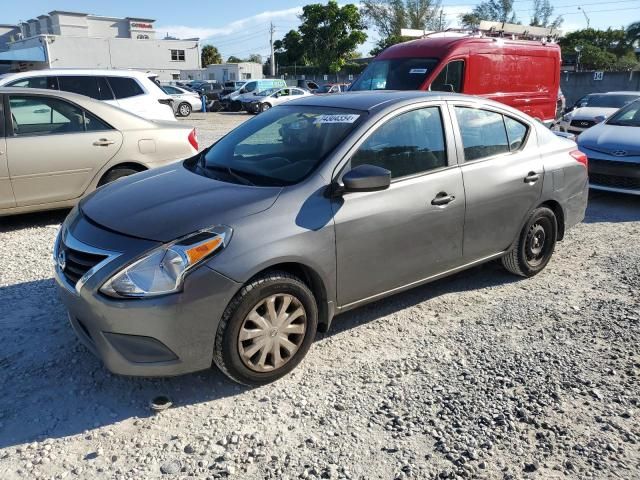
[{"x": 482, "y": 375}]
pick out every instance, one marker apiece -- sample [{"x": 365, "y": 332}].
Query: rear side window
[
  {"x": 49, "y": 83},
  {"x": 450, "y": 78},
  {"x": 411, "y": 143},
  {"x": 124, "y": 87},
  {"x": 84, "y": 85},
  {"x": 483, "y": 133},
  {"x": 516, "y": 131},
  {"x": 103, "y": 89}
]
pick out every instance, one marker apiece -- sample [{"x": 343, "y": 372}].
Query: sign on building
[{"x": 598, "y": 75}]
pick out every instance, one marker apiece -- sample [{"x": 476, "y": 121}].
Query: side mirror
[
  {"x": 600, "y": 119},
  {"x": 447, "y": 87},
  {"x": 366, "y": 178}
]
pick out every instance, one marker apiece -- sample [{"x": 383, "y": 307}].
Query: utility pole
[
  {"x": 441, "y": 13},
  {"x": 272, "y": 30}
]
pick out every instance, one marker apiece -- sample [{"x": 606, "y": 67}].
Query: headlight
[
  {"x": 566, "y": 118},
  {"x": 162, "y": 270}
]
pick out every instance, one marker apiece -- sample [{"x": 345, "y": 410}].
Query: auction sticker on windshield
[{"x": 346, "y": 118}]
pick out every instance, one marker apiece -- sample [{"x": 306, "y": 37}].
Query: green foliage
[
  {"x": 234, "y": 59},
  {"x": 330, "y": 34},
  {"x": 601, "y": 49},
  {"x": 209, "y": 55},
  {"x": 289, "y": 50},
  {"x": 542, "y": 13},
  {"x": 633, "y": 33},
  {"x": 384, "y": 43},
  {"x": 492, "y": 10}
]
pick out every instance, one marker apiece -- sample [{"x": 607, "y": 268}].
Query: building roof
[{"x": 63, "y": 12}]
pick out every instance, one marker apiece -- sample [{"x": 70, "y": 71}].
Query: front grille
[
  {"x": 595, "y": 163},
  {"x": 614, "y": 181},
  {"x": 582, "y": 123},
  {"x": 77, "y": 263}
]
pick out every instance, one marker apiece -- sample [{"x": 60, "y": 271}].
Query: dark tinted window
[
  {"x": 44, "y": 115},
  {"x": 93, "y": 123},
  {"x": 124, "y": 87},
  {"x": 483, "y": 133},
  {"x": 395, "y": 74},
  {"x": 50, "y": 83},
  {"x": 84, "y": 85},
  {"x": 610, "y": 101},
  {"x": 103, "y": 89},
  {"x": 410, "y": 143},
  {"x": 516, "y": 131},
  {"x": 450, "y": 78}
]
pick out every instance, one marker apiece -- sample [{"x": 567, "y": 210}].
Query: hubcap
[
  {"x": 272, "y": 332},
  {"x": 184, "y": 110},
  {"x": 536, "y": 244}
]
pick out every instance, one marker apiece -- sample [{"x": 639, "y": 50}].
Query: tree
[
  {"x": 330, "y": 34},
  {"x": 633, "y": 33},
  {"x": 542, "y": 13},
  {"x": 492, "y": 10},
  {"x": 210, "y": 55},
  {"x": 234, "y": 59},
  {"x": 601, "y": 49},
  {"x": 388, "y": 17},
  {"x": 289, "y": 50},
  {"x": 254, "y": 58}
]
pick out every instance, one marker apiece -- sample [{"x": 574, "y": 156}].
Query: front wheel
[
  {"x": 267, "y": 329},
  {"x": 534, "y": 247},
  {"x": 264, "y": 107}
]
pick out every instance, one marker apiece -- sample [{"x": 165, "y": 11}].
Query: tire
[
  {"x": 235, "y": 358},
  {"x": 535, "y": 245},
  {"x": 264, "y": 107},
  {"x": 116, "y": 173},
  {"x": 235, "y": 106},
  {"x": 184, "y": 109}
]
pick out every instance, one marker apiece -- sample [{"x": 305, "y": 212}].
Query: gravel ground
[{"x": 481, "y": 375}]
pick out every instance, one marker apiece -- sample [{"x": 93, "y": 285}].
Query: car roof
[
  {"x": 373, "y": 100},
  {"x": 620, "y": 92},
  {"x": 80, "y": 71}
]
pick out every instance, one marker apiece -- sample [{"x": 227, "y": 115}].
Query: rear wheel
[
  {"x": 535, "y": 245},
  {"x": 184, "y": 109},
  {"x": 264, "y": 107},
  {"x": 115, "y": 174},
  {"x": 267, "y": 329}
]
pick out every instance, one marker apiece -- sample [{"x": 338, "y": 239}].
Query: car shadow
[
  {"x": 54, "y": 387},
  {"x": 32, "y": 220},
  {"x": 611, "y": 207}
]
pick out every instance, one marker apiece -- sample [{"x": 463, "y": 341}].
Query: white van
[
  {"x": 136, "y": 92},
  {"x": 233, "y": 101}
]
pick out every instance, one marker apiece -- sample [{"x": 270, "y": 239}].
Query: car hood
[
  {"x": 169, "y": 202},
  {"x": 589, "y": 113},
  {"x": 611, "y": 138}
]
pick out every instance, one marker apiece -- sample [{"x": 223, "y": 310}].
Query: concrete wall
[
  {"x": 577, "y": 84},
  {"x": 224, "y": 72}
]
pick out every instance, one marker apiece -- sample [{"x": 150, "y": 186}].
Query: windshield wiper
[{"x": 229, "y": 171}]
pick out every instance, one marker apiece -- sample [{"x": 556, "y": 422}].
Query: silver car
[
  {"x": 57, "y": 146},
  {"x": 239, "y": 255},
  {"x": 184, "y": 101},
  {"x": 593, "y": 109},
  {"x": 613, "y": 148}
]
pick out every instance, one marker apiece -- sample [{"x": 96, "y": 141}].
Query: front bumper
[
  {"x": 614, "y": 175},
  {"x": 161, "y": 336}
]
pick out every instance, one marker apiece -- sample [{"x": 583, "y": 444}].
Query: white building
[
  {"x": 223, "y": 72},
  {"x": 79, "y": 40}
]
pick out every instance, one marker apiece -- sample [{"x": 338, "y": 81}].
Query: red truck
[{"x": 523, "y": 74}]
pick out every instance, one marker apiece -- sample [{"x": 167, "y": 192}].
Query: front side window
[
  {"x": 450, "y": 78},
  {"x": 82, "y": 84},
  {"x": 124, "y": 87},
  {"x": 279, "y": 147},
  {"x": 48, "y": 83},
  {"x": 177, "y": 55},
  {"x": 395, "y": 74},
  {"x": 486, "y": 133},
  {"x": 47, "y": 116},
  {"x": 408, "y": 144}
]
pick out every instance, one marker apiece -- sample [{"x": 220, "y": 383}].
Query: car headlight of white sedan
[{"x": 162, "y": 270}]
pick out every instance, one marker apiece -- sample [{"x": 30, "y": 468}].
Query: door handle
[
  {"x": 103, "y": 142},
  {"x": 442, "y": 199},
  {"x": 532, "y": 177}
]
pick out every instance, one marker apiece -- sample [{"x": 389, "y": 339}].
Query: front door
[
  {"x": 503, "y": 175},
  {"x": 55, "y": 148},
  {"x": 392, "y": 238}
]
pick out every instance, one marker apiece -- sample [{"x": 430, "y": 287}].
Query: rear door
[
  {"x": 55, "y": 148},
  {"x": 6, "y": 192},
  {"x": 392, "y": 238},
  {"x": 502, "y": 173}
]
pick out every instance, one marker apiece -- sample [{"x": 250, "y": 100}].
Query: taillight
[
  {"x": 193, "y": 139},
  {"x": 580, "y": 157}
]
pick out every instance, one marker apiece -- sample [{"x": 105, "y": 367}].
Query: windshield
[
  {"x": 628, "y": 116},
  {"x": 279, "y": 147},
  {"x": 610, "y": 101},
  {"x": 395, "y": 74}
]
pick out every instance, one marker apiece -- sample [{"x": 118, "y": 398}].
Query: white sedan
[
  {"x": 270, "y": 98},
  {"x": 184, "y": 101}
]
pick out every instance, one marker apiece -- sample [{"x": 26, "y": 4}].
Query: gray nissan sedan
[{"x": 239, "y": 255}]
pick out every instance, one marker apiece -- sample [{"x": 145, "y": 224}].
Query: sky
[{"x": 241, "y": 28}]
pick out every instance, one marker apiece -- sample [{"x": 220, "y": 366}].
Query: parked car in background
[
  {"x": 307, "y": 85},
  {"x": 210, "y": 89},
  {"x": 136, "y": 92},
  {"x": 332, "y": 88},
  {"x": 270, "y": 98},
  {"x": 239, "y": 255},
  {"x": 523, "y": 74},
  {"x": 613, "y": 148},
  {"x": 594, "y": 108},
  {"x": 184, "y": 101},
  {"x": 233, "y": 101},
  {"x": 57, "y": 146}
]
